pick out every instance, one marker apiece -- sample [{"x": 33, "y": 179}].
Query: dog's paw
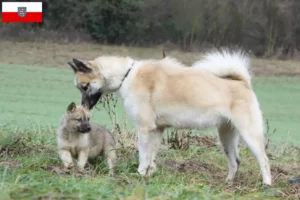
[
  {"x": 148, "y": 172},
  {"x": 81, "y": 170},
  {"x": 229, "y": 179},
  {"x": 111, "y": 174},
  {"x": 151, "y": 170},
  {"x": 66, "y": 170},
  {"x": 135, "y": 174},
  {"x": 68, "y": 166},
  {"x": 142, "y": 172}
]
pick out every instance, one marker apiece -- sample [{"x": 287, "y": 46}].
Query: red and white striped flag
[{"x": 22, "y": 12}]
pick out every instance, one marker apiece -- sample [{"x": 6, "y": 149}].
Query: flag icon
[{"x": 22, "y": 12}]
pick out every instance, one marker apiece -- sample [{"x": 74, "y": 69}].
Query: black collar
[{"x": 127, "y": 73}]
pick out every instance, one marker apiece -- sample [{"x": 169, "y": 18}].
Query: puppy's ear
[
  {"x": 71, "y": 108},
  {"x": 73, "y": 67},
  {"x": 81, "y": 67}
]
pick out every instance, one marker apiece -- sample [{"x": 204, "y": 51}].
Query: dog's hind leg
[
  {"x": 250, "y": 126},
  {"x": 255, "y": 143},
  {"x": 149, "y": 142},
  {"x": 230, "y": 139}
]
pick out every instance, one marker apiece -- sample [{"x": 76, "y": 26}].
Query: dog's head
[
  {"x": 77, "y": 118},
  {"x": 89, "y": 81},
  {"x": 104, "y": 74}
]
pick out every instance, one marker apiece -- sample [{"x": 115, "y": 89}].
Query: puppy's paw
[{"x": 68, "y": 166}]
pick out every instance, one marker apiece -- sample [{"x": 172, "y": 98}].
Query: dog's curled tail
[{"x": 233, "y": 65}]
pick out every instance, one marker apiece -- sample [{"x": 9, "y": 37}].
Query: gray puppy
[{"x": 78, "y": 138}]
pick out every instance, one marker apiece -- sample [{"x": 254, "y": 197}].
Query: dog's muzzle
[
  {"x": 90, "y": 100},
  {"x": 84, "y": 129}
]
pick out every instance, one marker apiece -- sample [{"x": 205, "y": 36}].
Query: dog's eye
[
  {"x": 88, "y": 119},
  {"x": 78, "y": 119}
]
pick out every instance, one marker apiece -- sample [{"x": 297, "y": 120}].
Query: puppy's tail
[{"x": 225, "y": 64}]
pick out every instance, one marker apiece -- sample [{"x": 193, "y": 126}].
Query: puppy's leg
[
  {"x": 110, "y": 153},
  {"x": 230, "y": 139},
  {"x": 149, "y": 142},
  {"x": 66, "y": 158},
  {"x": 111, "y": 160},
  {"x": 82, "y": 158}
]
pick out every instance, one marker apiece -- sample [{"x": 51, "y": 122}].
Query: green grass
[
  {"x": 41, "y": 95},
  {"x": 280, "y": 102},
  {"x": 33, "y": 99},
  {"x": 28, "y": 158}
]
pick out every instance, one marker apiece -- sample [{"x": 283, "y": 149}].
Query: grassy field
[
  {"x": 33, "y": 98},
  {"x": 40, "y": 95}
]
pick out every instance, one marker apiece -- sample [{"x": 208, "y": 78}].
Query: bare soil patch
[
  {"x": 10, "y": 163},
  {"x": 61, "y": 171}
]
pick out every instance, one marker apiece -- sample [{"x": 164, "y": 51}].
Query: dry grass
[{"x": 53, "y": 54}]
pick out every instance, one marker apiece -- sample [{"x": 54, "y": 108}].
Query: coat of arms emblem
[{"x": 22, "y": 11}]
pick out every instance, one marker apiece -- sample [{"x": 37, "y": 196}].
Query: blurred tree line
[{"x": 264, "y": 27}]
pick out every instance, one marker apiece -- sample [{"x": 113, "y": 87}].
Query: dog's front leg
[
  {"x": 82, "y": 158},
  {"x": 66, "y": 158},
  {"x": 149, "y": 142}
]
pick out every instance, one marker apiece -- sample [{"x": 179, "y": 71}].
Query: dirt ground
[{"x": 52, "y": 54}]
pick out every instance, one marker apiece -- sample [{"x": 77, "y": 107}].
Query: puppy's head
[
  {"x": 77, "y": 118},
  {"x": 88, "y": 80}
]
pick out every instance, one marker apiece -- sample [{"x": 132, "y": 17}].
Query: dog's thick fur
[
  {"x": 78, "y": 138},
  {"x": 215, "y": 92}
]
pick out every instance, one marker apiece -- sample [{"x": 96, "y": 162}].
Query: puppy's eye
[
  {"x": 78, "y": 119},
  {"x": 88, "y": 119}
]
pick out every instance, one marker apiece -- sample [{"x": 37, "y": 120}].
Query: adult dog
[{"x": 215, "y": 92}]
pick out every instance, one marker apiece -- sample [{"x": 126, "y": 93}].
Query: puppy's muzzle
[{"x": 85, "y": 128}]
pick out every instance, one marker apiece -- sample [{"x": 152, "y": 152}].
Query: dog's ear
[
  {"x": 73, "y": 67},
  {"x": 164, "y": 54},
  {"x": 81, "y": 67},
  {"x": 71, "y": 108}
]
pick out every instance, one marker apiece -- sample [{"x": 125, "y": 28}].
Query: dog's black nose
[{"x": 88, "y": 128}]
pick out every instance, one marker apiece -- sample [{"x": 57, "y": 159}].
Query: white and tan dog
[{"x": 215, "y": 92}]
